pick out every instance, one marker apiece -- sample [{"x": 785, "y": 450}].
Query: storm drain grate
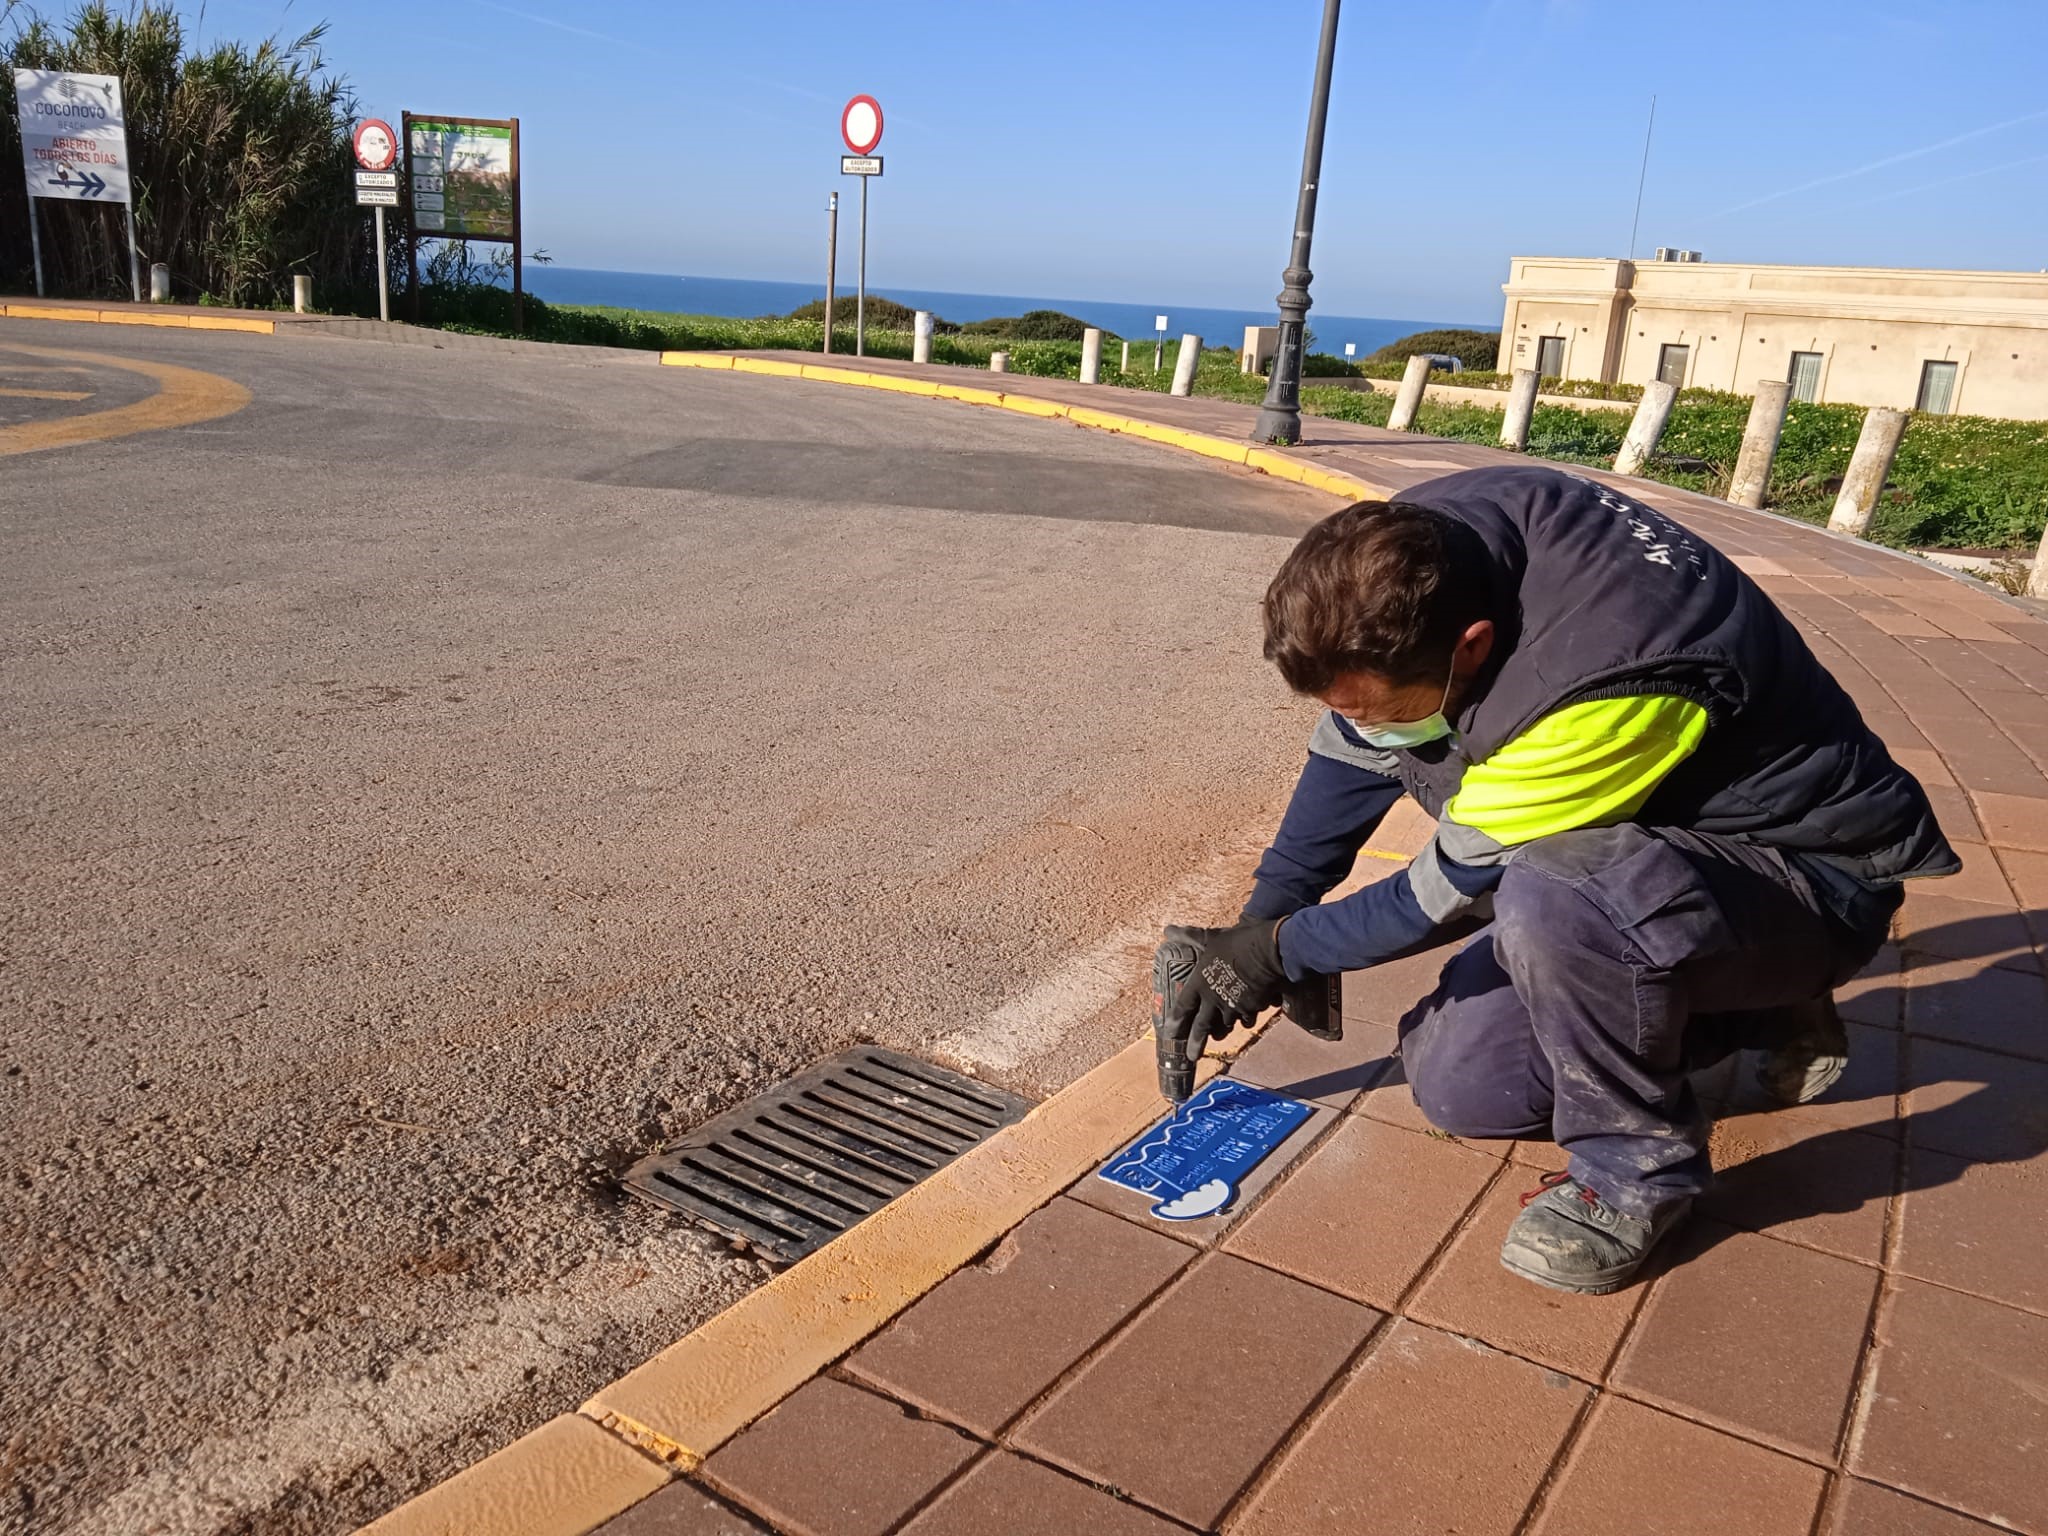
[{"x": 791, "y": 1169}]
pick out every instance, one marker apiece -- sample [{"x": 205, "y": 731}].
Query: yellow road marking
[
  {"x": 183, "y": 396},
  {"x": 19, "y": 311},
  {"x": 46, "y": 394}
]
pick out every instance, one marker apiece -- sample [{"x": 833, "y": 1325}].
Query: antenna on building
[{"x": 1641, "y": 177}]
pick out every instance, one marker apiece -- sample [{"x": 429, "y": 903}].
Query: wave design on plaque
[{"x": 1191, "y": 1163}]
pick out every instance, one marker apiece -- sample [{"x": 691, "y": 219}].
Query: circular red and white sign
[
  {"x": 376, "y": 145},
  {"x": 861, "y": 125}
]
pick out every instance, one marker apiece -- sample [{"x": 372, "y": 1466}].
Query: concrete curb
[
  {"x": 16, "y": 310},
  {"x": 1263, "y": 460}
]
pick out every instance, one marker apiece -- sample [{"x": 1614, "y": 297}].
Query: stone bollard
[
  {"x": 159, "y": 283},
  {"x": 1643, "y": 433},
  {"x": 1409, "y": 400},
  {"x": 999, "y": 362},
  {"x": 302, "y": 294},
  {"x": 1514, "y": 426},
  {"x": 921, "y": 337},
  {"x": 1124, "y": 366},
  {"x": 1868, "y": 465},
  {"x": 1752, "y": 477},
  {"x": 2037, "y": 578},
  {"x": 1091, "y": 356},
  {"x": 1185, "y": 363}
]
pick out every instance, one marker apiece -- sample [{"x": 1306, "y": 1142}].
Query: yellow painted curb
[
  {"x": 564, "y": 1479},
  {"x": 140, "y": 317},
  {"x": 701, "y": 1391},
  {"x": 1264, "y": 460}
]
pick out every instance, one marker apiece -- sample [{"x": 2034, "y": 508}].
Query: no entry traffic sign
[
  {"x": 375, "y": 144},
  {"x": 861, "y": 125}
]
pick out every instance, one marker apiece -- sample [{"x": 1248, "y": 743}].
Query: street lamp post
[{"x": 1280, "y": 416}]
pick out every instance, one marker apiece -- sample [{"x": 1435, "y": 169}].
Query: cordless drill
[{"x": 1315, "y": 1002}]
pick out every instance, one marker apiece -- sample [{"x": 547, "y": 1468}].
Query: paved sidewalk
[{"x": 1851, "y": 1337}]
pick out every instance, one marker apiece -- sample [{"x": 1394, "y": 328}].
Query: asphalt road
[{"x": 451, "y": 775}]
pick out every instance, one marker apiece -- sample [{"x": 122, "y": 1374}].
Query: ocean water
[{"x": 747, "y": 298}]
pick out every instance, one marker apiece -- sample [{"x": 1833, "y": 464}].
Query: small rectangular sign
[
  {"x": 1191, "y": 1163},
  {"x": 376, "y": 197},
  {"x": 376, "y": 178},
  {"x": 860, "y": 165}
]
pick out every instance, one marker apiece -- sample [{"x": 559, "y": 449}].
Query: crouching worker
[{"x": 1676, "y": 830}]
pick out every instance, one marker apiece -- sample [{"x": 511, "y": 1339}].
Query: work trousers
[{"x": 1619, "y": 960}]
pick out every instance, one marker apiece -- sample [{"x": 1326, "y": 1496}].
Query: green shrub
[
  {"x": 1032, "y": 325},
  {"x": 883, "y": 315},
  {"x": 1475, "y": 349}
]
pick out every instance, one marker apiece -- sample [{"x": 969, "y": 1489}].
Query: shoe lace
[{"x": 1550, "y": 1181}]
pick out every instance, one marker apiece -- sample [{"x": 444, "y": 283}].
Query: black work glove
[{"x": 1238, "y": 976}]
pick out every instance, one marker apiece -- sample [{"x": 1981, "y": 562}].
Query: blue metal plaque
[{"x": 1190, "y": 1163}]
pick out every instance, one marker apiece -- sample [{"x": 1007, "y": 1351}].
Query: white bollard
[
  {"x": 159, "y": 283},
  {"x": 999, "y": 362},
  {"x": 302, "y": 294},
  {"x": 1751, "y": 481},
  {"x": 1091, "y": 356},
  {"x": 1185, "y": 363},
  {"x": 1124, "y": 365},
  {"x": 2037, "y": 578},
  {"x": 1514, "y": 425},
  {"x": 921, "y": 337},
  {"x": 1643, "y": 433},
  {"x": 1409, "y": 400},
  {"x": 1868, "y": 465}
]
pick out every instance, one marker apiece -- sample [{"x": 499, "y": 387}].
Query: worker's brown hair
[{"x": 1381, "y": 587}]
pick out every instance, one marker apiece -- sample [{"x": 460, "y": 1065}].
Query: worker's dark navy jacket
[{"x": 1597, "y": 597}]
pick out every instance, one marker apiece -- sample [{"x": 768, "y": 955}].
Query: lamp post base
[{"x": 1277, "y": 426}]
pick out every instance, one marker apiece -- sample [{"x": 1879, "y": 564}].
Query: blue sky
[{"x": 1147, "y": 150}]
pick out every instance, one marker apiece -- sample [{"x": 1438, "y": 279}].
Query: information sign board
[{"x": 74, "y": 139}]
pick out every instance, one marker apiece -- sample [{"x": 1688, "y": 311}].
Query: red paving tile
[
  {"x": 1876, "y": 995},
  {"x": 1431, "y": 1434},
  {"x": 1294, "y": 1062},
  {"x": 1932, "y": 923},
  {"x": 680, "y": 1510},
  {"x": 1952, "y": 811},
  {"x": 1976, "y": 1227},
  {"x": 1865, "y": 1509},
  {"x": 1470, "y": 1294},
  {"x": 1636, "y": 1472},
  {"x": 1132, "y": 1206},
  {"x": 1006, "y": 1495},
  {"x": 994, "y": 1336},
  {"x": 2029, "y": 874},
  {"x": 1976, "y": 1002},
  {"x": 1980, "y": 878},
  {"x": 1956, "y": 1411},
  {"x": 2013, "y": 821},
  {"x": 1751, "y": 1335},
  {"x": 1183, "y": 1408},
  {"x": 833, "y": 1460},
  {"x": 1803, "y": 1183},
  {"x": 1386, "y": 992},
  {"x": 1975, "y": 1104},
  {"x": 1366, "y": 1211}
]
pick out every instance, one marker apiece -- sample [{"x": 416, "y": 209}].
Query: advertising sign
[
  {"x": 74, "y": 142},
  {"x": 465, "y": 177}
]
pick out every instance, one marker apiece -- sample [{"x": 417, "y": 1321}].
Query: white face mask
[{"x": 1394, "y": 735}]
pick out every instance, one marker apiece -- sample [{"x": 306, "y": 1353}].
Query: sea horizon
[{"x": 749, "y": 298}]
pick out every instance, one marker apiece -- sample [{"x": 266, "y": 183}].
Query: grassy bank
[{"x": 1959, "y": 481}]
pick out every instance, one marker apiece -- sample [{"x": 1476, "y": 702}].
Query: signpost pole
[
  {"x": 35, "y": 232},
  {"x": 860, "y": 308},
  {"x": 518, "y": 261},
  {"x": 412, "y": 226},
  {"x": 134, "y": 256},
  {"x": 831, "y": 263},
  {"x": 383, "y": 272}
]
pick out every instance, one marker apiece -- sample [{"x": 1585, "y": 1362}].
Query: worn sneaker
[
  {"x": 1569, "y": 1239},
  {"x": 1812, "y": 1061}
]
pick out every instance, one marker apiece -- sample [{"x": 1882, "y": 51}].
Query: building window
[
  {"x": 1550, "y": 357},
  {"x": 1937, "y": 388},
  {"x": 1805, "y": 375},
  {"x": 1671, "y": 364}
]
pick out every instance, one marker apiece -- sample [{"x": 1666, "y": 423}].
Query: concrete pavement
[{"x": 451, "y": 774}]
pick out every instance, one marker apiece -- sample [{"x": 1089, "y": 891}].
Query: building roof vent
[{"x": 1690, "y": 256}]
